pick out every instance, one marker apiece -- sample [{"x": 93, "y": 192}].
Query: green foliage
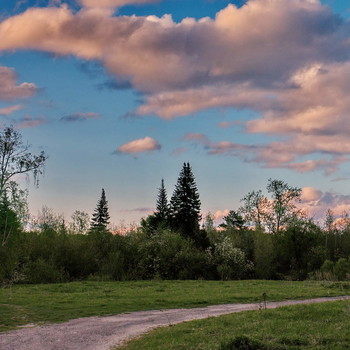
[
  {"x": 233, "y": 220},
  {"x": 41, "y": 271},
  {"x": 264, "y": 255},
  {"x": 342, "y": 269},
  {"x": 231, "y": 262},
  {"x": 294, "y": 256},
  {"x": 169, "y": 255},
  {"x": 9, "y": 223}
]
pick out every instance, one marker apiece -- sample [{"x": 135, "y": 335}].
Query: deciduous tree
[
  {"x": 16, "y": 159},
  {"x": 283, "y": 206}
]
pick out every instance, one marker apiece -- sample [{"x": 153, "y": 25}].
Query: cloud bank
[
  {"x": 317, "y": 202},
  {"x": 291, "y": 67}
]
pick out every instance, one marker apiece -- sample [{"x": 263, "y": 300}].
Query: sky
[{"x": 120, "y": 93}]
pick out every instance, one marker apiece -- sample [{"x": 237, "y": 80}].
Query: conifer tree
[
  {"x": 184, "y": 213},
  {"x": 100, "y": 218},
  {"x": 162, "y": 211}
]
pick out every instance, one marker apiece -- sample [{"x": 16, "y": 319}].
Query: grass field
[
  {"x": 23, "y": 304},
  {"x": 317, "y": 327}
]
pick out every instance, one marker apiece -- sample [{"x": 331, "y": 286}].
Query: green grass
[
  {"x": 23, "y": 304},
  {"x": 315, "y": 326}
]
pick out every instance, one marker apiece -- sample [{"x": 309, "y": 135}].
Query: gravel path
[{"x": 101, "y": 333}]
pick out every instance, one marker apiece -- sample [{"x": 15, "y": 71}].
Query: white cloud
[{"x": 147, "y": 144}]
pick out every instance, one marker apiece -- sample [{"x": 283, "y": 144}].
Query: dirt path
[{"x": 101, "y": 333}]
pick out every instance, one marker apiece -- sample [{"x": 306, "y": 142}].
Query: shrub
[
  {"x": 242, "y": 343},
  {"x": 231, "y": 261},
  {"x": 342, "y": 269},
  {"x": 40, "y": 271}
]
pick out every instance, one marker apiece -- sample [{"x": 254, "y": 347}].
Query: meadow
[
  {"x": 317, "y": 327},
  {"x": 47, "y": 303}
]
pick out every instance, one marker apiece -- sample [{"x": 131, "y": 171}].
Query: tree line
[{"x": 268, "y": 237}]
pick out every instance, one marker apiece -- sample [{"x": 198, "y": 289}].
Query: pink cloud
[
  {"x": 9, "y": 110},
  {"x": 28, "y": 122},
  {"x": 228, "y": 124},
  {"x": 316, "y": 203},
  {"x": 293, "y": 72},
  {"x": 178, "y": 151},
  {"x": 200, "y": 138},
  {"x": 146, "y": 144},
  {"x": 220, "y": 214},
  {"x": 9, "y": 90},
  {"x": 310, "y": 194}
]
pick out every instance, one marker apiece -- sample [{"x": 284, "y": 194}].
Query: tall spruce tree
[
  {"x": 184, "y": 213},
  {"x": 100, "y": 218},
  {"x": 162, "y": 211}
]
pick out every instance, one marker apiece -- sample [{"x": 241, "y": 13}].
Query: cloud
[
  {"x": 338, "y": 179},
  {"x": 29, "y": 122},
  {"x": 310, "y": 194},
  {"x": 115, "y": 85},
  {"x": 146, "y": 144},
  {"x": 220, "y": 214},
  {"x": 200, "y": 138},
  {"x": 9, "y": 110},
  {"x": 291, "y": 69},
  {"x": 80, "y": 117},
  {"x": 226, "y": 125},
  {"x": 316, "y": 203},
  {"x": 113, "y": 3},
  {"x": 139, "y": 210},
  {"x": 179, "y": 151},
  {"x": 9, "y": 90}
]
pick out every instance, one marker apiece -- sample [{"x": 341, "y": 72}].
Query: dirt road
[{"x": 101, "y": 333}]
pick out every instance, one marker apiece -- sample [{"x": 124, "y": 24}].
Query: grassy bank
[
  {"x": 23, "y": 304},
  {"x": 317, "y": 326}
]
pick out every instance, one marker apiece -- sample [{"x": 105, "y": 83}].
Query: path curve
[{"x": 102, "y": 333}]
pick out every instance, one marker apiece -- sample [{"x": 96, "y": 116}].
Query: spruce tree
[
  {"x": 184, "y": 213},
  {"x": 162, "y": 211},
  {"x": 100, "y": 218}
]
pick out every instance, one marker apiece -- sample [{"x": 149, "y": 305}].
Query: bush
[
  {"x": 40, "y": 271},
  {"x": 242, "y": 343},
  {"x": 231, "y": 261},
  {"x": 342, "y": 269},
  {"x": 169, "y": 255}
]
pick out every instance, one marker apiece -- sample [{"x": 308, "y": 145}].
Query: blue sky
[{"x": 119, "y": 97}]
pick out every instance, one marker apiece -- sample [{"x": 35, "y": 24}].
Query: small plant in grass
[{"x": 242, "y": 343}]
